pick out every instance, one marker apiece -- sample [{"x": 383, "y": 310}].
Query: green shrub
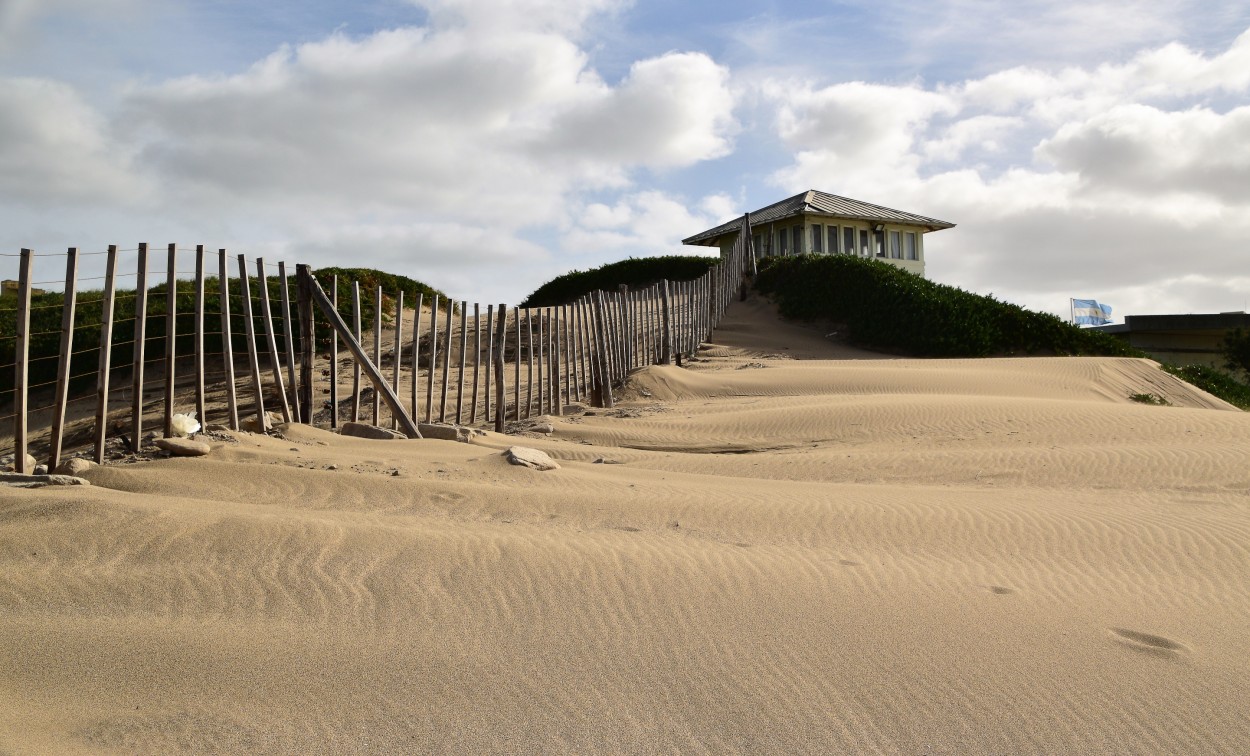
[
  {"x": 1215, "y": 382},
  {"x": 636, "y": 273},
  {"x": 885, "y": 307}
]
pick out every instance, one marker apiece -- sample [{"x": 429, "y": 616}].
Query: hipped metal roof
[{"x": 819, "y": 203}]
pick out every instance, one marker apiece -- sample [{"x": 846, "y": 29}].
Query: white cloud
[
  {"x": 1115, "y": 180},
  {"x": 651, "y": 221},
  {"x": 54, "y": 146}
]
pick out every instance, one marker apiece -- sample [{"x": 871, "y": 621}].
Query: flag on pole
[{"x": 1090, "y": 312}]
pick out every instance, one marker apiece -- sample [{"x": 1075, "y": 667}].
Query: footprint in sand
[
  {"x": 1140, "y": 641},
  {"x": 849, "y": 563},
  {"x": 1000, "y": 590}
]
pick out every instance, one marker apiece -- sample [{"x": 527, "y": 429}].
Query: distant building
[
  {"x": 819, "y": 223},
  {"x": 10, "y": 289},
  {"x": 1179, "y": 339}
]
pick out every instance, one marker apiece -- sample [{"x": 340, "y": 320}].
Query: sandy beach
[{"x": 786, "y": 546}]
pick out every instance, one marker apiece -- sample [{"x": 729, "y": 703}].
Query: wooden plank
[
  {"x": 442, "y": 405},
  {"x": 21, "y": 363},
  {"x": 397, "y": 351},
  {"x": 542, "y": 353},
  {"x": 464, "y": 345},
  {"x": 356, "y": 365},
  {"x": 322, "y": 302},
  {"x": 477, "y": 358},
  {"x": 334, "y": 352},
  {"x": 601, "y": 337},
  {"x": 227, "y": 340},
  {"x": 429, "y": 382},
  {"x": 567, "y": 331},
  {"x": 416, "y": 353},
  {"x": 275, "y": 365},
  {"x": 253, "y": 358},
  {"x": 490, "y": 360},
  {"x": 198, "y": 344},
  {"x": 377, "y": 351},
  {"x": 66, "y": 356},
  {"x": 106, "y": 353},
  {"x": 284, "y": 291},
  {"x": 171, "y": 329},
  {"x": 516, "y": 383},
  {"x": 553, "y": 350},
  {"x": 141, "y": 332},
  {"x": 529, "y": 352},
  {"x": 502, "y": 329},
  {"x": 666, "y": 324},
  {"x": 304, "y": 398}
]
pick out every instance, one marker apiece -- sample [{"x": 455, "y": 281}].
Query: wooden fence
[{"x": 227, "y": 338}]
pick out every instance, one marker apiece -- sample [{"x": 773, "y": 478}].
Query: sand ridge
[{"x": 751, "y": 554}]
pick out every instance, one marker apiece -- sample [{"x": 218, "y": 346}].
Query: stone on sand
[
  {"x": 364, "y": 430},
  {"x": 183, "y": 447},
  {"x": 532, "y": 458},
  {"x": 18, "y": 480},
  {"x": 75, "y": 466}
]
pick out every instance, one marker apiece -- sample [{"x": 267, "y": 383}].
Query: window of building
[
  {"x": 909, "y": 246},
  {"x": 783, "y": 248},
  {"x": 798, "y": 239},
  {"x": 878, "y": 242},
  {"x": 896, "y": 245},
  {"x": 755, "y": 243},
  {"x": 863, "y": 243},
  {"x": 848, "y": 241},
  {"x": 818, "y": 238},
  {"x": 833, "y": 240}
]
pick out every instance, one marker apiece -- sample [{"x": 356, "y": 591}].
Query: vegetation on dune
[
  {"x": 885, "y": 307},
  {"x": 1215, "y": 382},
  {"x": 636, "y": 273},
  {"x": 369, "y": 280}
]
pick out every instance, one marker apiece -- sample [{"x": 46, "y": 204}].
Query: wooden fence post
[
  {"x": 377, "y": 351},
  {"x": 198, "y": 345},
  {"x": 429, "y": 383},
  {"x": 500, "y": 405},
  {"x": 605, "y": 380},
  {"x": 308, "y": 348},
  {"x": 490, "y": 363},
  {"x": 442, "y": 406},
  {"x": 67, "y": 355},
  {"x": 398, "y": 350},
  {"x": 171, "y": 329},
  {"x": 141, "y": 328},
  {"x": 516, "y": 383},
  {"x": 274, "y": 363},
  {"x": 21, "y": 364},
  {"x": 477, "y": 357},
  {"x": 416, "y": 353},
  {"x": 356, "y": 316},
  {"x": 374, "y": 374},
  {"x": 542, "y": 407},
  {"x": 106, "y": 353},
  {"x": 464, "y": 344},
  {"x": 666, "y": 325},
  {"x": 253, "y": 357},
  {"x": 529, "y": 351},
  {"x": 227, "y": 340},
  {"x": 284, "y": 291},
  {"x": 334, "y": 352}
]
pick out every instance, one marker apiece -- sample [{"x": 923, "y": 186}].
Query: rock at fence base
[
  {"x": 532, "y": 458},
  {"x": 253, "y": 425},
  {"x": 41, "y": 470},
  {"x": 18, "y": 480},
  {"x": 545, "y": 428},
  {"x": 607, "y": 461},
  {"x": 75, "y": 466},
  {"x": 448, "y": 432},
  {"x": 364, "y": 430},
  {"x": 183, "y": 447},
  {"x": 7, "y": 463}
]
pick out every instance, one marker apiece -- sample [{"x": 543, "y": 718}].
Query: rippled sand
[{"x": 835, "y": 553}]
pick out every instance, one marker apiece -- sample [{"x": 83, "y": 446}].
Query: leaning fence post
[
  {"x": 21, "y": 366},
  {"x": 274, "y": 363},
  {"x": 377, "y": 350},
  {"x": 500, "y": 404},
  {"x": 605, "y": 380},
  {"x": 375, "y": 375},
  {"x": 67, "y": 355},
  {"x": 227, "y": 340},
  {"x": 397, "y": 350},
  {"x": 356, "y": 365},
  {"x": 429, "y": 378},
  {"x": 106, "y": 353}
]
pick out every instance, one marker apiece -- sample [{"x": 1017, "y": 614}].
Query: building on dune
[
  {"x": 1192, "y": 339},
  {"x": 825, "y": 224}
]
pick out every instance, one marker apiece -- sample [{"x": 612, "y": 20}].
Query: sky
[{"x": 1094, "y": 150}]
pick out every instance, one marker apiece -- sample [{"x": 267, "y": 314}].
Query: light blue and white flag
[{"x": 1089, "y": 312}]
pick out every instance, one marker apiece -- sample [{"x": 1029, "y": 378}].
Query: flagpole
[{"x": 1071, "y": 310}]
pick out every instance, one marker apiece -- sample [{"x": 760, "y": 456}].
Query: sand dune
[{"x": 842, "y": 553}]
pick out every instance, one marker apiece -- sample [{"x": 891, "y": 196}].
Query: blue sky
[{"x": 1095, "y": 150}]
